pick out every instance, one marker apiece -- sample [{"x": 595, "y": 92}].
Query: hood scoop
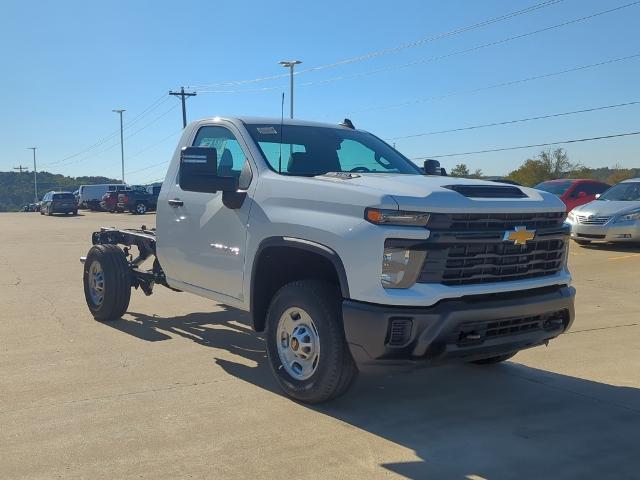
[{"x": 487, "y": 191}]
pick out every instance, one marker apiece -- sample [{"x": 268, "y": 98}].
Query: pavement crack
[{"x": 603, "y": 328}]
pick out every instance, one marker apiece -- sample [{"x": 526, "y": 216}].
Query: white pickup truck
[{"x": 346, "y": 254}]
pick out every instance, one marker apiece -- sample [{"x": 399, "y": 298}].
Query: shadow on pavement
[{"x": 462, "y": 421}]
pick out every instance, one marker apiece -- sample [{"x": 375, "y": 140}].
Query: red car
[{"x": 574, "y": 192}]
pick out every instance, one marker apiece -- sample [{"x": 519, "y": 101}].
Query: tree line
[
  {"x": 551, "y": 165},
  {"x": 17, "y": 189}
]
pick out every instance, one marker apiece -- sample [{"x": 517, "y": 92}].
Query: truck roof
[{"x": 277, "y": 121}]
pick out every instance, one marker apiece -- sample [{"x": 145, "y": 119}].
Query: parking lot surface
[{"x": 180, "y": 387}]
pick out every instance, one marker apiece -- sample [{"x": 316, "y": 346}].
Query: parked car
[
  {"x": 109, "y": 202},
  {"x": 613, "y": 217},
  {"x": 574, "y": 192},
  {"x": 346, "y": 254},
  {"x": 90, "y": 196},
  {"x": 138, "y": 200},
  {"x": 58, "y": 202}
]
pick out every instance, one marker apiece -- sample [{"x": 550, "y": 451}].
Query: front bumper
[
  {"x": 469, "y": 328},
  {"x": 609, "y": 232}
]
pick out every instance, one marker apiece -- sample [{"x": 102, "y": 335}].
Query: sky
[{"x": 66, "y": 65}]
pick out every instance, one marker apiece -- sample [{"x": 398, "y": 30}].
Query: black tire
[
  {"x": 116, "y": 282},
  {"x": 494, "y": 360},
  {"x": 335, "y": 370},
  {"x": 139, "y": 209},
  {"x": 49, "y": 212},
  {"x": 75, "y": 212},
  {"x": 582, "y": 242},
  {"x": 41, "y": 212}
]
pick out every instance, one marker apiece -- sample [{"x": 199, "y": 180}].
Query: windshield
[
  {"x": 557, "y": 188},
  {"x": 623, "y": 192},
  {"x": 309, "y": 150}
]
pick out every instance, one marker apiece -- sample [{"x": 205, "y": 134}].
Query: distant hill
[{"x": 16, "y": 189}]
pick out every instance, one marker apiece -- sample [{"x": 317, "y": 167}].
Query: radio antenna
[{"x": 281, "y": 126}]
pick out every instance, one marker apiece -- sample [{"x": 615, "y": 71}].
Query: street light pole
[
  {"x": 290, "y": 64},
  {"x": 121, "y": 140},
  {"x": 35, "y": 174}
]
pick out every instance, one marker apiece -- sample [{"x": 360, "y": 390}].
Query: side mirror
[
  {"x": 199, "y": 172},
  {"x": 432, "y": 167}
]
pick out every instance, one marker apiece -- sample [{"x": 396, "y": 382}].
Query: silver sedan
[{"x": 612, "y": 217}]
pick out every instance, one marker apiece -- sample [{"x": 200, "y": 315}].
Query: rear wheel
[
  {"x": 494, "y": 360},
  {"x": 140, "y": 209},
  {"x": 307, "y": 351},
  {"x": 582, "y": 242},
  {"x": 107, "y": 282}
]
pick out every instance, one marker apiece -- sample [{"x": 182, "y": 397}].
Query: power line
[
  {"x": 112, "y": 146},
  {"x": 497, "y": 85},
  {"x": 431, "y": 59},
  {"x": 386, "y": 51},
  {"x": 509, "y": 122},
  {"x": 520, "y": 147},
  {"x": 155, "y": 104},
  {"x": 466, "y": 50}
]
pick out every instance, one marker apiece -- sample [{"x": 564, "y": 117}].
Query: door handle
[{"x": 174, "y": 202}]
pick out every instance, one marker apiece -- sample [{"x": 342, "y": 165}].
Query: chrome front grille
[{"x": 591, "y": 220}]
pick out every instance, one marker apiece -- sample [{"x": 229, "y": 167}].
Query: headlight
[
  {"x": 401, "y": 263},
  {"x": 627, "y": 217},
  {"x": 396, "y": 217}
]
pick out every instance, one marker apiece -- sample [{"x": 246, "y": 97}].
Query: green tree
[
  {"x": 477, "y": 173},
  {"x": 618, "y": 174},
  {"x": 547, "y": 165},
  {"x": 460, "y": 170}
]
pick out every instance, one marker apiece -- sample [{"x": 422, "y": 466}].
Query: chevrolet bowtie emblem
[{"x": 519, "y": 235}]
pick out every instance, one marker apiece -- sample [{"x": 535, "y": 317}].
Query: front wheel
[
  {"x": 140, "y": 209},
  {"x": 307, "y": 351},
  {"x": 107, "y": 282}
]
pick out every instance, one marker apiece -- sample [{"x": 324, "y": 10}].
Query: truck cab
[{"x": 347, "y": 255}]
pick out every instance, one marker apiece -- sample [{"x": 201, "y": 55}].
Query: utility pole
[
  {"x": 119, "y": 111},
  {"x": 290, "y": 64},
  {"x": 21, "y": 168},
  {"x": 35, "y": 174},
  {"x": 183, "y": 95}
]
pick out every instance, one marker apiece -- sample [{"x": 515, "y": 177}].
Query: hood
[
  {"x": 428, "y": 193},
  {"x": 605, "y": 208}
]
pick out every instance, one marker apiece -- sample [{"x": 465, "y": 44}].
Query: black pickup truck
[{"x": 139, "y": 200}]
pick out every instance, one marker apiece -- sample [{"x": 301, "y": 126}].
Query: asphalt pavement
[{"x": 180, "y": 387}]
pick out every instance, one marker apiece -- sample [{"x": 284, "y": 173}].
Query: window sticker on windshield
[{"x": 267, "y": 131}]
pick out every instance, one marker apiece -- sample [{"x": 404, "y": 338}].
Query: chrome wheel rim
[
  {"x": 96, "y": 283},
  {"x": 141, "y": 208},
  {"x": 298, "y": 343}
]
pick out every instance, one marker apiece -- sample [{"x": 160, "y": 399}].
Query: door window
[
  {"x": 594, "y": 188},
  {"x": 232, "y": 161}
]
